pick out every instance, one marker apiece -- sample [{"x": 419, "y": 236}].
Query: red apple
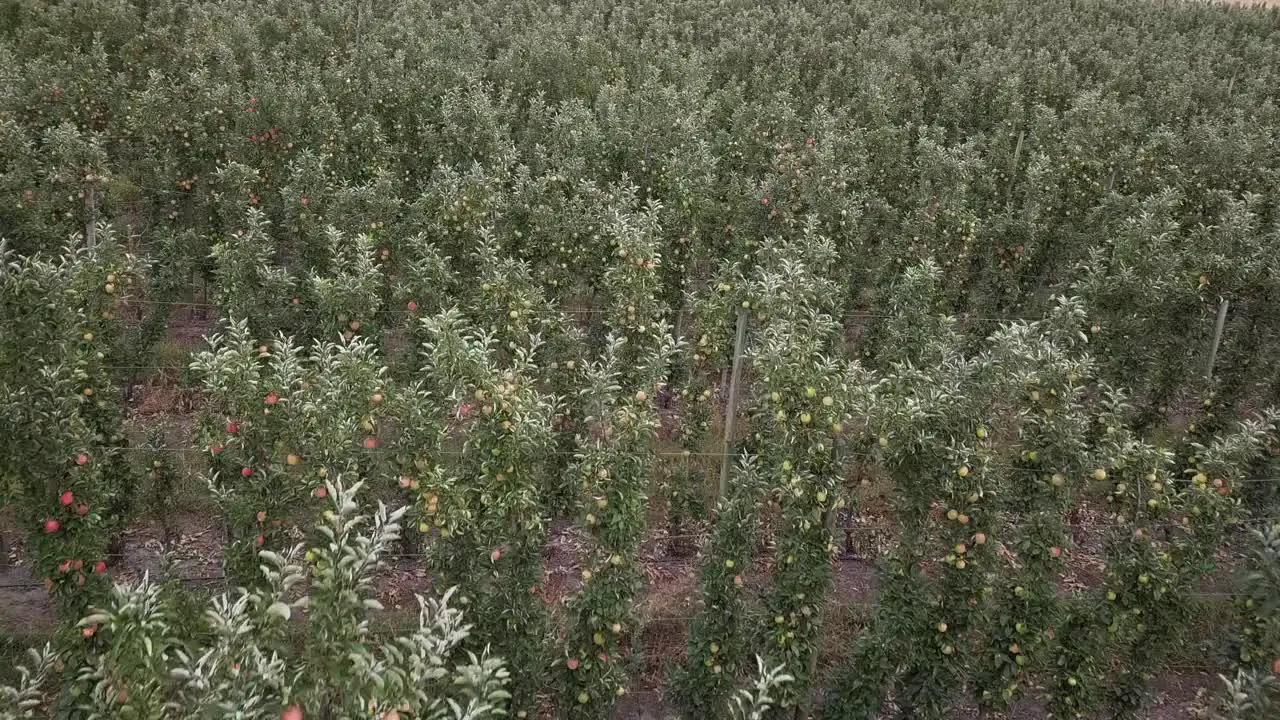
[
  {"x": 259, "y": 540},
  {"x": 262, "y": 516},
  {"x": 77, "y": 565},
  {"x": 246, "y": 472},
  {"x": 370, "y": 443},
  {"x": 293, "y": 712},
  {"x": 412, "y": 306},
  {"x": 272, "y": 399},
  {"x": 320, "y": 492},
  {"x": 100, "y": 567},
  {"x": 572, "y": 663},
  {"x": 81, "y": 459},
  {"x": 89, "y": 631},
  {"x": 52, "y": 526},
  {"x": 67, "y": 498},
  {"x": 215, "y": 449},
  {"x": 233, "y": 427}
]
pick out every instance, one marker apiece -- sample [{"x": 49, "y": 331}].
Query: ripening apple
[
  {"x": 292, "y": 459},
  {"x": 82, "y": 509},
  {"x": 1055, "y": 551},
  {"x": 980, "y": 539},
  {"x": 370, "y": 443},
  {"x": 1099, "y": 474},
  {"x": 320, "y": 492}
]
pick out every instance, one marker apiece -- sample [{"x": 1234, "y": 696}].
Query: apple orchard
[{"x": 708, "y": 359}]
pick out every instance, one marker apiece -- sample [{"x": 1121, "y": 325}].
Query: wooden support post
[
  {"x": 1217, "y": 337},
  {"x": 91, "y": 221},
  {"x": 731, "y": 409}
]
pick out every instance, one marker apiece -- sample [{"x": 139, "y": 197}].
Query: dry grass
[{"x": 1250, "y": 3}]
